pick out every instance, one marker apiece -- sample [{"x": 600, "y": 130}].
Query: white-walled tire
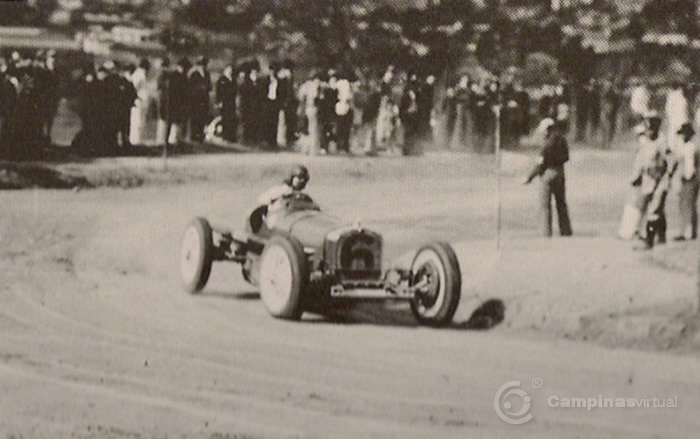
[
  {"x": 196, "y": 255},
  {"x": 283, "y": 277},
  {"x": 435, "y": 267}
]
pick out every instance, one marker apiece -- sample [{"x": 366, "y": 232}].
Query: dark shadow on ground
[
  {"x": 489, "y": 315},
  {"x": 16, "y": 175},
  {"x": 248, "y": 295}
]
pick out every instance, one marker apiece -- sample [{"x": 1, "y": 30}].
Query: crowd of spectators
[
  {"x": 161, "y": 102},
  {"x": 28, "y": 101}
]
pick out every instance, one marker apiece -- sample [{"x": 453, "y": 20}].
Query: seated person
[{"x": 271, "y": 201}]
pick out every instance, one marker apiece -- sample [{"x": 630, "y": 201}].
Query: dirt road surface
[{"x": 98, "y": 339}]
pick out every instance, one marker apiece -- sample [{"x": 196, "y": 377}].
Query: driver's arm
[{"x": 273, "y": 194}]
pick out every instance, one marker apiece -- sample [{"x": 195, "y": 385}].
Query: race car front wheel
[
  {"x": 283, "y": 277},
  {"x": 437, "y": 279},
  {"x": 196, "y": 255}
]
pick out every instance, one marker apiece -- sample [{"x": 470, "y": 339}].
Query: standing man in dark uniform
[
  {"x": 199, "y": 86},
  {"x": 550, "y": 168},
  {"x": 112, "y": 89},
  {"x": 252, "y": 93},
  {"x": 226, "y": 92},
  {"x": 179, "y": 101},
  {"x": 287, "y": 100},
  {"x": 93, "y": 113},
  {"x": 327, "y": 98},
  {"x": 246, "y": 93},
  {"x": 409, "y": 113},
  {"x": 172, "y": 102},
  {"x": 425, "y": 109},
  {"x": 46, "y": 85}
]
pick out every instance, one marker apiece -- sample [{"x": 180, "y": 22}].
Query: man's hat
[
  {"x": 686, "y": 128},
  {"x": 652, "y": 122}
]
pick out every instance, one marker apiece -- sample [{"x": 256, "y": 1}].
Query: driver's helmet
[{"x": 301, "y": 173}]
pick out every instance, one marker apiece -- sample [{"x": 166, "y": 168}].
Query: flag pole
[{"x": 497, "y": 111}]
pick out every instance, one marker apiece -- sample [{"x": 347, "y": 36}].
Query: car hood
[{"x": 310, "y": 227}]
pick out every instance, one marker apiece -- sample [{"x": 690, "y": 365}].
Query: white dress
[{"x": 140, "y": 108}]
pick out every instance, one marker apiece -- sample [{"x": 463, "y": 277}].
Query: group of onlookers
[
  {"x": 334, "y": 110},
  {"x": 380, "y": 113},
  {"x": 116, "y": 104},
  {"x": 662, "y": 163},
  {"x": 107, "y": 96},
  {"x": 29, "y": 95},
  {"x": 471, "y": 120}
]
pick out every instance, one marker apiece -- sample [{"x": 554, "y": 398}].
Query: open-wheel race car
[{"x": 311, "y": 261}]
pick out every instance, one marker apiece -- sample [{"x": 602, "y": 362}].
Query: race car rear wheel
[
  {"x": 283, "y": 277},
  {"x": 435, "y": 272},
  {"x": 196, "y": 255}
]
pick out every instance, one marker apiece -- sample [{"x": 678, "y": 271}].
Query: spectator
[
  {"x": 610, "y": 103},
  {"x": 385, "y": 115},
  {"x": 409, "y": 113},
  {"x": 461, "y": 130},
  {"x": 288, "y": 103},
  {"x": 425, "y": 108},
  {"x": 126, "y": 101},
  {"x": 550, "y": 169},
  {"x": 199, "y": 84},
  {"x": 226, "y": 93},
  {"x": 688, "y": 196},
  {"x": 344, "y": 112},
  {"x": 325, "y": 102},
  {"x": 271, "y": 108},
  {"x": 649, "y": 167},
  {"x": 308, "y": 97},
  {"x": 252, "y": 93},
  {"x": 139, "y": 112},
  {"x": 172, "y": 102},
  {"x": 677, "y": 114},
  {"x": 93, "y": 137},
  {"x": 639, "y": 101},
  {"x": 632, "y": 213}
]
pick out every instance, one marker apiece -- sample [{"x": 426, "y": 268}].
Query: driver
[{"x": 296, "y": 182}]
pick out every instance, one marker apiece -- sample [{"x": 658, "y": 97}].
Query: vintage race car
[{"x": 312, "y": 261}]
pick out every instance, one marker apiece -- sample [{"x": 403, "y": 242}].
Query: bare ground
[{"x": 98, "y": 340}]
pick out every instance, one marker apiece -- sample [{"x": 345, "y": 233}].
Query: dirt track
[{"x": 98, "y": 340}]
